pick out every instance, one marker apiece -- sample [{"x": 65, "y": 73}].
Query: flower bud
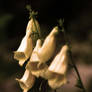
[{"x": 27, "y": 81}]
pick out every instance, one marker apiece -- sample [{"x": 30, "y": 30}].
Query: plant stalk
[{"x": 77, "y": 72}]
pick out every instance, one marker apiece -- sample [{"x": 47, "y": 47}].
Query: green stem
[{"x": 77, "y": 72}]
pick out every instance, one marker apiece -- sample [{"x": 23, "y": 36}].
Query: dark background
[{"x": 78, "y": 25}]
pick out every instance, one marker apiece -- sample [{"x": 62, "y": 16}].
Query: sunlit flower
[
  {"x": 40, "y": 54},
  {"x": 32, "y": 26},
  {"x": 60, "y": 62},
  {"x": 35, "y": 70},
  {"x": 34, "y": 57},
  {"x": 27, "y": 81},
  {"x": 59, "y": 68},
  {"x": 33, "y": 30},
  {"x": 48, "y": 48},
  {"x": 57, "y": 82},
  {"x": 32, "y": 65},
  {"x": 26, "y": 46},
  {"x": 24, "y": 50},
  {"x": 46, "y": 51}
]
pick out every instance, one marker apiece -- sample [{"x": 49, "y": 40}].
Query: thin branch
[{"x": 77, "y": 72}]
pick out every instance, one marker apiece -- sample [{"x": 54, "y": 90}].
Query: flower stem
[{"x": 77, "y": 72}]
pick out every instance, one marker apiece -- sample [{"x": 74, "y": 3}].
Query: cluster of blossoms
[{"x": 38, "y": 54}]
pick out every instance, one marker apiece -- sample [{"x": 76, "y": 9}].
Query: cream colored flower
[
  {"x": 48, "y": 75},
  {"x": 48, "y": 48},
  {"x": 24, "y": 51},
  {"x": 32, "y": 26},
  {"x": 33, "y": 67},
  {"x": 57, "y": 82},
  {"x": 33, "y": 30},
  {"x": 34, "y": 57},
  {"x": 60, "y": 62},
  {"x": 26, "y": 46},
  {"x": 59, "y": 67},
  {"x": 46, "y": 51},
  {"x": 41, "y": 54},
  {"x": 27, "y": 81}
]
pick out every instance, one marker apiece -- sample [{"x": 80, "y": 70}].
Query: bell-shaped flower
[
  {"x": 27, "y": 81},
  {"x": 33, "y": 30},
  {"x": 26, "y": 46},
  {"x": 59, "y": 67},
  {"x": 34, "y": 57},
  {"x": 60, "y": 62},
  {"x": 24, "y": 51},
  {"x": 32, "y": 65},
  {"x": 48, "y": 48},
  {"x": 32, "y": 26}
]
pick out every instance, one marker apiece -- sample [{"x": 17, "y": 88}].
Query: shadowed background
[{"x": 78, "y": 25}]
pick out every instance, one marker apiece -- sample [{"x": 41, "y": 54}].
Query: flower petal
[
  {"x": 48, "y": 75},
  {"x": 32, "y": 66},
  {"x": 57, "y": 82},
  {"x": 24, "y": 50},
  {"x": 33, "y": 30},
  {"x": 48, "y": 48},
  {"x": 59, "y": 67},
  {"x": 27, "y": 81},
  {"x": 60, "y": 62},
  {"x": 32, "y": 26},
  {"x": 34, "y": 56}
]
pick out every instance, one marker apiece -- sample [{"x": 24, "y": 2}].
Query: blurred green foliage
[{"x": 4, "y": 23}]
